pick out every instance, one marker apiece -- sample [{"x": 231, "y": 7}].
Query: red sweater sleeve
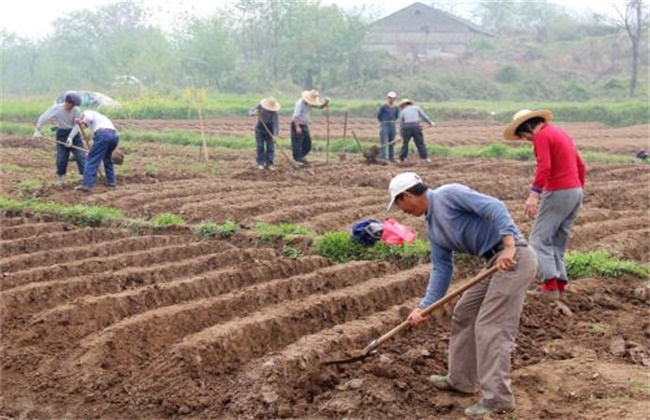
[
  {"x": 582, "y": 169},
  {"x": 543, "y": 157}
]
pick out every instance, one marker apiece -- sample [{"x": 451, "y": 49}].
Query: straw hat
[
  {"x": 270, "y": 104},
  {"x": 404, "y": 102},
  {"x": 312, "y": 97},
  {"x": 521, "y": 117}
]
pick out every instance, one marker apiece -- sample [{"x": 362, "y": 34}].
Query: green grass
[
  {"x": 164, "y": 220},
  {"x": 600, "y": 264},
  {"x": 78, "y": 214},
  {"x": 210, "y": 229},
  {"x": 11, "y": 167},
  {"x": 272, "y": 233},
  {"x": 155, "y": 106},
  {"x": 341, "y": 248},
  {"x": 495, "y": 150}
]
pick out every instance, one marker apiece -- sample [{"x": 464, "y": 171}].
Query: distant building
[{"x": 421, "y": 32}]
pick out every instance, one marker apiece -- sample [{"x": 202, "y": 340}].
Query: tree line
[{"x": 253, "y": 46}]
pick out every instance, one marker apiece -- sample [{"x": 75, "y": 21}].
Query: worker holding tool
[
  {"x": 300, "y": 136},
  {"x": 411, "y": 117},
  {"x": 486, "y": 318},
  {"x": 387, "y": 116},
  {"x": 105, "y": 140},
  {"x": 559, "y": 181},
  {"x": 267, "y": 115},
  {"x": 65, "y": 115}
]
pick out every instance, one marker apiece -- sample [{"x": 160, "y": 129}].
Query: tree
[{"x": 634, "y": 19}]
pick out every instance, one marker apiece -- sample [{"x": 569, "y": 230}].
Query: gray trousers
[
  {"x": 550, "y": 235},
  {"x": 483, "y": 328}
]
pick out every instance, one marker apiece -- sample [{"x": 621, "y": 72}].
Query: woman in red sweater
[{"x": 559, "y": 181}]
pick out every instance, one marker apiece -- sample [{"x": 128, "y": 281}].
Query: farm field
[{"x": 105, "y": 322}]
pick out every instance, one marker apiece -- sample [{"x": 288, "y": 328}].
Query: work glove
[
  {"x": 68, "y": 142},
  {"x": 37, "y": 133}
]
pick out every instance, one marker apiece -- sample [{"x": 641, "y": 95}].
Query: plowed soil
[{"x": 106, "y": 323}]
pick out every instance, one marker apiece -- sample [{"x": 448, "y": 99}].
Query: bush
[
  {"x": 599, "y": 263},
  {"x": 164, "y": 220},
  {"x": 508, "y": 74},
  {"x": 341, "y": 248}
]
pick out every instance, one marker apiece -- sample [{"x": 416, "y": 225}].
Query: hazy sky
[{"x": 32, "y": 19}]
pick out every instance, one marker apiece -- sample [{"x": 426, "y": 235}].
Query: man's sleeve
[
  {"x": 297, "y": 111},
  {"x": 252, "y": 112},
  {"x": 441, "y": 274},
  {"x": 425, "y": 117},
  {"x": 47, "y": 115},
  {"x": 276, "y": 124}
]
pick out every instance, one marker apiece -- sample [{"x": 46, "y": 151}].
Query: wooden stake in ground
[
  {"x": 345, "y": 127},
  {"x": 327, "y": 121},
  {"x": 204, "y": 143}
]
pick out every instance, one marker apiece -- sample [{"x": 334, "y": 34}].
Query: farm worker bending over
[
  {"x": 486, "y": 318},
  {"x": 105, "y": 140},
  {"x": 410, "y": 117},
  {"x": 387, "y": 116},
  {"x": 300, "y": 137},
  {"x": 65, "y": 114},
  {"x": 268, "y": 125},
  {"x": 559, "y": 180}
]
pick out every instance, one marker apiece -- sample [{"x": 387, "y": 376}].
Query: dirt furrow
[
  {"x": 345, "y": 217},
  {"x": 316, "y": 209},
  {"x": 27, "y": 299},
  {"x": 223, "y": 347},
  {"x": 186, "y": 190},
  {"x": 70, "y": 322},
  {"x": 51, "y": 241},
  {"x": 92, "y": 250},
  {"x": 588, "y": 234},
  {"x": 33, "y": 229},
  {"x": 6, "y": 222},
  {"x": 151, "y": 256}
]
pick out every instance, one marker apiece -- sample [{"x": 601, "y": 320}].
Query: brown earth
[{"x": 106, "y": 323}]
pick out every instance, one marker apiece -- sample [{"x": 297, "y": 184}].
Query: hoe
[{"x": 371, "y": 349}]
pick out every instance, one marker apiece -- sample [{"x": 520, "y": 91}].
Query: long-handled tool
[
  {"x": 372, "y": 347},
  {"x": 327, "y": 121},
  {"x": 278, "y": 145},
  {"x": 62, "y": 143}
]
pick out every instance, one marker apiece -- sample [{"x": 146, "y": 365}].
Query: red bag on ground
[{"x": 396, "y": 233}]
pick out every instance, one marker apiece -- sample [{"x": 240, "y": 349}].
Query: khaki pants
[{"x": 483, "y": 327}]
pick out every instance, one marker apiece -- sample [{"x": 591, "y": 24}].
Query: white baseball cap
[
  {"x": 392, "y": 94},
  {"x": 401, "y": 183}
]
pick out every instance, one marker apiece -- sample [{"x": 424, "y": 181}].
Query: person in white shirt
[{"x": 105, "y": 140}]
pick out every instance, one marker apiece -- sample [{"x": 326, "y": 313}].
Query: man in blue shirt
[
  {"x": 387, "y": 116},
  {"x": 268, "y": 125},
  {"x": 486, "y": 318}
]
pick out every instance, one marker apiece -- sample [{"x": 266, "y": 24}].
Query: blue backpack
[{"x": 367, "y": 231}]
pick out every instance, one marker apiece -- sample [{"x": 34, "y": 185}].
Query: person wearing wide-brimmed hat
[
  {"x": 300, "y": 136},
  {"x": 485, "y": 319},
  {"x": 559, "y": 181},
  {"x": 410, "y": 117},
  {"x": 268, "y": 125},
  {"x": 387, "y": 116}
]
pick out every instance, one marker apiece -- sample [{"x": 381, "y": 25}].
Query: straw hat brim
[
  {"x": 270, "y": 104},
  {"x": 405, "y": 102},
  {"x": 311, "y": 99},
  {"x": 509, "y": 132}
]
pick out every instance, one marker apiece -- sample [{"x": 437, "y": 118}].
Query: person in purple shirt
[{"x": 486, "y": 318}]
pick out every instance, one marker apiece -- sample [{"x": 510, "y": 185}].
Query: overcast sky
[{"x": 32, "y": 19}]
